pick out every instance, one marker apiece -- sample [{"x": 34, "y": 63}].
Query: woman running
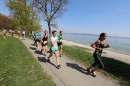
[
  {"x": 54, "y": 49},
  {"x": 44, "y": 40},
  {"x": 60, "y": 42},
  {"x": 98, "y": 46}
]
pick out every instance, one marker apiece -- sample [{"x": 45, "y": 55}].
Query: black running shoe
[
  {"x": 58, "y": 66},
  {"x": 41, "y": 51},
  {"x": 49, "y": 60},
  {"x": 93, "y": 73},
  {"x": 88, "y": 71},
  {"x": 60, "y": 55}
]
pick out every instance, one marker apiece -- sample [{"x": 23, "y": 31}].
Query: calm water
[{"x": 119, "y": 44}]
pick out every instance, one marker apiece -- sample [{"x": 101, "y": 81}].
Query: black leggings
[{"x": 98, "y": 61}]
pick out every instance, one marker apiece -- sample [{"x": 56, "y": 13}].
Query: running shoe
[
  {"x": 48, "y": 60},
  {"x": 88, "y": 71},
  {"x": 60, "y": 55},
  {"x": 59, "y": 66},
  {"x": 93, "y": 73}
]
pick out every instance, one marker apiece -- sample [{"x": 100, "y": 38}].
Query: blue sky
[{"x": 93, "y": 17}]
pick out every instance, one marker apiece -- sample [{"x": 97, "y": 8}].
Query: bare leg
[
  {"x": 57, "y": 57},
  {"x": 90, "y": 67},
  {"x": 96, "y": 69},
  {"x": 45, "y": 49},
  {"x": 60, "y": 49},
  {"x": 50, "y": 55}
]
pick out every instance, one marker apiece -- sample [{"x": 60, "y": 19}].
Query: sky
[{"x": 92, "y": 17}]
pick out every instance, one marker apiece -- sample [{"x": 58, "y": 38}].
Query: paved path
[{"x": 71, "y": 73}]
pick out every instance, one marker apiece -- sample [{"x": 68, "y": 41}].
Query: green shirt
[{"x": 59, "y": 37}]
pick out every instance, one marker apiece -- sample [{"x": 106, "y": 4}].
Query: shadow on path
[
  {"x": 76, "y": 67},
  {"x": 33, "y": 48},
  {"x": 33, "y": 44},
  {"x": 43, "y": 59}
]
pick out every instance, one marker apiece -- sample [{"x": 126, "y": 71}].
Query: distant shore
[{"x": 109, "y": 53}]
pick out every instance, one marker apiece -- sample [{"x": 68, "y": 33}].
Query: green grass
[
  {"x": 18, "y": 67},
  {"x": 113, "y": 68},
  {"x": 29, "y": 37}
]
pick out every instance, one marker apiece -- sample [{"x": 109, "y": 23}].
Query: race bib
[{"x": 45, "y": 42}]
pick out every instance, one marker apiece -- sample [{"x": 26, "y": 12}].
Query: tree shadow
[
  {"x": 32, "y": 48},
  {"x": 76, "y": 67},
  {"x": 43, "y": 59},
  {"x": 117, "y": 68}
]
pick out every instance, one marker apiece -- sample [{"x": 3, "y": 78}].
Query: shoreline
[{"x": 109, "y": 53}]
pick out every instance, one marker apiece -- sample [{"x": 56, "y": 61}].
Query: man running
[
  {"x": 54, "y": 49},
  {"x": 37, "y": 39},
  {"x": 60, "y": 42}
]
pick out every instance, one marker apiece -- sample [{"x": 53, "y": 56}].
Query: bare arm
[
  {"x": 53, "y": 43},
  {"x": 93, "y": 45},
  {"x": 42, "y": 38},
  {"x": 107, "y": 46}
]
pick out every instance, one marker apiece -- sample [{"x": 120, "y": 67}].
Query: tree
[
  {"x": 51, "y": 10},
  {"x": 5, "y": 21},
  {"x": 23, "y": 16}
]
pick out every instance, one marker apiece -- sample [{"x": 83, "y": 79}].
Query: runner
[
  {"x": 54, "y": 48},
  {"x": 13, "y": 32},
  {"x": 35, "y": 36},
  {"x": 19, "y": 33},
  {"x": 98, "y": 45},
  {"x": 4, "y": 33},
  {"x": 60, "y": 42},
  {"x": 44, "y": 40},
  {"x": 23, "y": 34},
  {"x": 37, "y": 39}
]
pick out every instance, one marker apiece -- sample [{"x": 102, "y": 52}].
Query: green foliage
[{"x": 23, "y": 15}]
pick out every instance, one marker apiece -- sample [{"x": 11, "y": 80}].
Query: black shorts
[
  {"x": 44, "y": 44},
  {"x": 37, "y": 40},
  {"x": 59, "y": 43}
]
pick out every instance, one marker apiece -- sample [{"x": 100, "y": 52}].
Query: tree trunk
[{"x": 49, "y": 27}]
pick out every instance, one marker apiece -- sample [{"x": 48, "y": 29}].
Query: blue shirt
[{"x": 37, "y": 35}]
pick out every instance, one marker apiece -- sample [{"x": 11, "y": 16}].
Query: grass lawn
[
  {"x": 113, "y": 68},
  {"x": 18, "y": 67}
]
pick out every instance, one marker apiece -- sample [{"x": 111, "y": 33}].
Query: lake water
[{"x": 119, "y": 44}]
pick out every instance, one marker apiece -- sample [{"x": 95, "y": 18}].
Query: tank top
[
  {"x": 45, "y": 38},
  {"x": 99, "y": 46}
]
